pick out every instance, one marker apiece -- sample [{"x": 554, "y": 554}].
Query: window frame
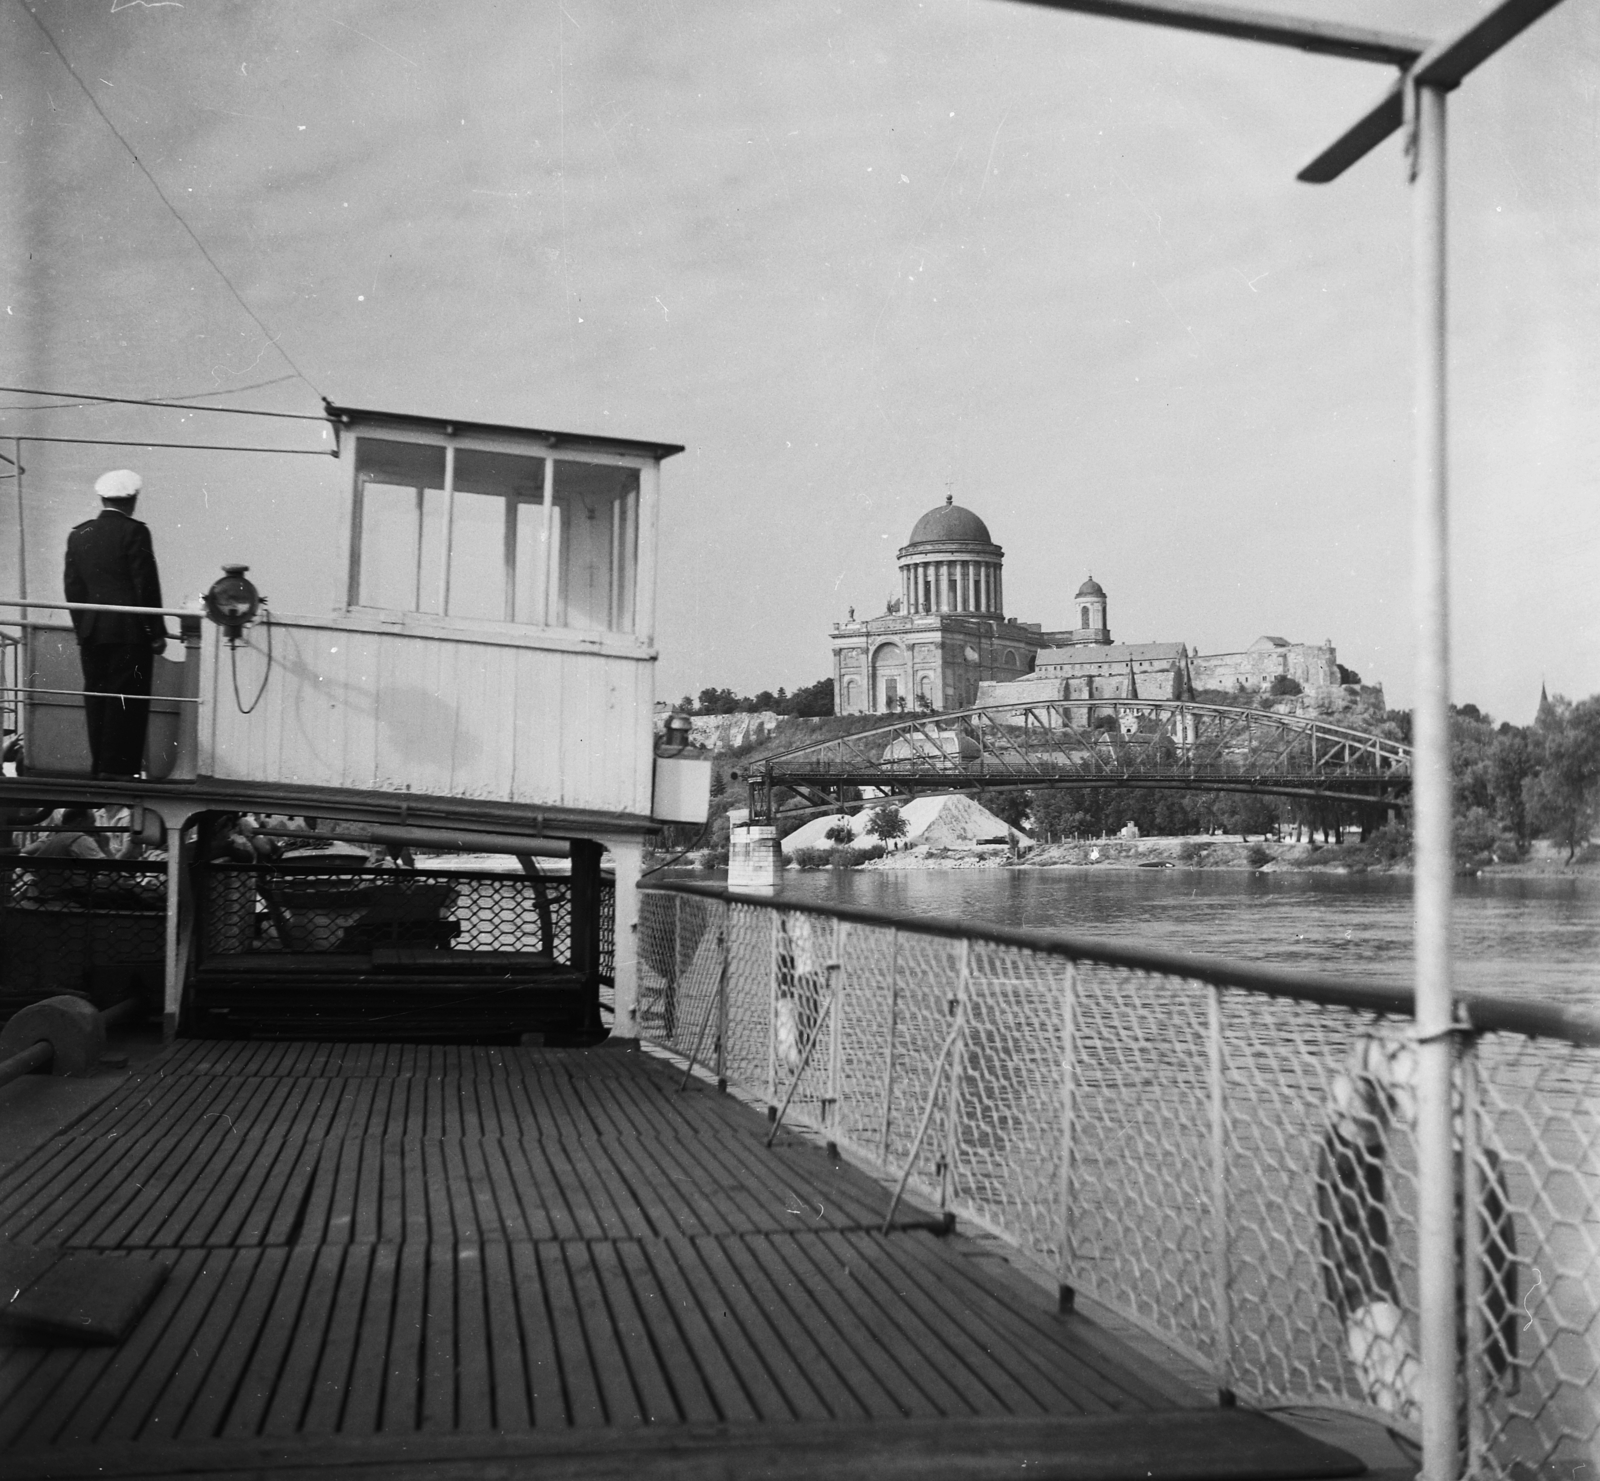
[{"x": 628, "y": 527}]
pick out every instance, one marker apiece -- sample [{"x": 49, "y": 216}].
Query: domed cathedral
[
  {"x": 945, "y": 633},
  {"x": 945, "y": 642}
]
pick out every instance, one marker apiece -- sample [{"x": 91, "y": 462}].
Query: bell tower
[{"x": 1090, "y": 603}]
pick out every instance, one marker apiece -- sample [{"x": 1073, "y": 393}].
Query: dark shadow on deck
[{"x": 454, "y": 1261}]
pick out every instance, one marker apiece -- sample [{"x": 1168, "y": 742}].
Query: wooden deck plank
[
  {"x": 369, "y": 1368},
  {"x": 291, "y": 1393},
  {"x": 866, "y": 1369},
  {"x": 438, "y": 1369},
  {"x": 572, "y": 1361},
  {"x": 713, "y": 1273},
  {"x": 216, "y": 1393},
  {"x": 203, "y": 1355},
  {"x": 1035, "y": 1340},
  {"x": 652, "y": 1381},
  {"x": 402, "y": 1363},
  {"x": 258, "y": 1381},
  {"x": 332, "y": 1378},
  {"x": 92, "y": 1396},
  {"x": 982, "y": 1382},
  {"x": 691, "y": 1395},
  {"x": 618, "y": 1393},
  {"x": 916, "y": 1386},
  {"x": 32, "y": 1380}
]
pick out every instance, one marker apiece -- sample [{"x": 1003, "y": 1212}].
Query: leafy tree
[
  {"x": 1563, "y": 799},
  {"x": 812, "y": 699},
  {"x": 1010, "y": 804},
  {"x": 887, "y": 823},
  {"x": 1284, "y": 685},
  {"x": 841, "y": 833}
]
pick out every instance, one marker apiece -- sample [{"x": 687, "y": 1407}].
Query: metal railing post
[
  {"x": 1221, "y": 1272},
  {"x": 952, "y": 1131},
  {"x": 888, "y": 1068},
  {"x": 1472, "y": 1253},
  {"x": 1066, "y": 1291},
  {"x": 186, "y": 766},
  {"x": 775, "y": 921},
  {"x": 725, "y": 938},
  {"x": 830, "y": 1120}
]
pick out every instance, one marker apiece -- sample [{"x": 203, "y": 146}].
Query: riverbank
[{"x": 1202, "y": 852}]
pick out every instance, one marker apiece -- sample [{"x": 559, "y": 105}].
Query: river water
[{"x": 1527, "y": 935}]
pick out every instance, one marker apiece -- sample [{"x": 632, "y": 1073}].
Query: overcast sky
[{"x": 854, "y": 257}]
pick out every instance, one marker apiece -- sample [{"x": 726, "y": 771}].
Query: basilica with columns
[
  {"x": 947, "y": 632},
  {"x": 945, "y": 642}
]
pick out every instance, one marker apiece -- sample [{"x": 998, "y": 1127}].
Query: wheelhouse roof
[{"x": 451, "y": 426}]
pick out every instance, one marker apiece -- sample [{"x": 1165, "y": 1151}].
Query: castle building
[{"x": 945, "y": 642}]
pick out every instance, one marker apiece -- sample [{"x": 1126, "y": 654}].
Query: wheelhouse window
[{"x": 496, "y": 536}]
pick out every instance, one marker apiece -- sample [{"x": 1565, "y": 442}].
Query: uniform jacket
[{"x": 111, "y": 560}]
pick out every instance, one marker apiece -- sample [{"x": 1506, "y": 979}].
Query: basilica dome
[{"x": 949, "y": 522}]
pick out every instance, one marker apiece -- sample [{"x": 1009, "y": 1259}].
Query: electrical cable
[
  {"x": 233, "y": 654},
  {"x": 199, "y": 447},
  {"x": 86, "y": 398},
  {"x": 189, "y": 230}
]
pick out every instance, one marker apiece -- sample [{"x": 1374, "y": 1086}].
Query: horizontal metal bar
[
  {"x": 100, "y": 607},
  {"x": 25, "y": 1061},
  {"x": 1360, "y": 139},
  {"x": 1444, "y": 65},
  {"x": 1447, "y": 63},
  {"x": 1326, "y": 38},
  {"x": 1487, "y": 1012},
  {"x": 177, "y": 699}
]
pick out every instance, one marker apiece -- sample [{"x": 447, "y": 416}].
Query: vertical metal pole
[
  {"x": 1473, "y": 1235},
  {"x": 1436, "y": 1254},
  {"x": 776, "y": 920},
  {"x": 1221, "y": 1271},
  {"x": 1065, "y": 1289},
  {"x": 888, "y": 1068},
  {"x": 172, "y": 995},
  {"x": 952, "y": 1125},
  {"x": 722, "y": 996},
  {"x": 670, "y": 1007},
  {"x": 841, "y": 936},
  {"x": 448, "y": 533}
]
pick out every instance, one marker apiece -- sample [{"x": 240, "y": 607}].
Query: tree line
[{"x": 809, "y": 700}]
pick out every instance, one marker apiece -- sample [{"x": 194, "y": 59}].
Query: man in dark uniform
[{"x": 110, "y": 560}]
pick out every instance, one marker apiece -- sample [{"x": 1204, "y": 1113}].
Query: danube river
[{"x": 1524, "y": 934}]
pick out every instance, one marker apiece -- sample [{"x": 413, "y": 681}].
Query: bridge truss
[{"x": 1165, "y": 744}]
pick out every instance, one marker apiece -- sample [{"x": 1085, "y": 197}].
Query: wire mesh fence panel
[
  {"x": 680, "y": 965},
  {"x": 79, "y": 925},
  {"x": 749, "y": 1042},
  {"x": 1009, "y": 1139},
  {"x": 1320, "y": 1191},
  {"x": 1533, "y": 1291},
  {"x": 260, "y": 909},
  {"x": 1140, "y": 1208}
]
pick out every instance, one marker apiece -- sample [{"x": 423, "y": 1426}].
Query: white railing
[{"x": 1224, "y": 1155}]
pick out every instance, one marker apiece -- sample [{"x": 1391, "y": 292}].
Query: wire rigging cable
[
  {"x": 201, "y": 447},
  {"x": 174, "y": 405},
  {"x": 94, "y": 103}
]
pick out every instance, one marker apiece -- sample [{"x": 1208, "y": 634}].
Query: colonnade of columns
[{"x": 953, "y": 586}]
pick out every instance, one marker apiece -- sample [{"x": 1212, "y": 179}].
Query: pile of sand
[{"x": 931, "y": 822}]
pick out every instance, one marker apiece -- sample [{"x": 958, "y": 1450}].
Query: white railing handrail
[
  {"x": 1483, "y": 1012},
  {"x": 100, "y": 607}
]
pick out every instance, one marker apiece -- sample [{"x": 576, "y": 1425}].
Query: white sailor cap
[{"x": 120, "y": 483}]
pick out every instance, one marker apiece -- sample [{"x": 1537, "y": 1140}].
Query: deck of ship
[{"x": 472, "y": 1261}]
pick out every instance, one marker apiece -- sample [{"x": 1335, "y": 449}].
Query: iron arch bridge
[{"x": 1168, "y": 744}]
